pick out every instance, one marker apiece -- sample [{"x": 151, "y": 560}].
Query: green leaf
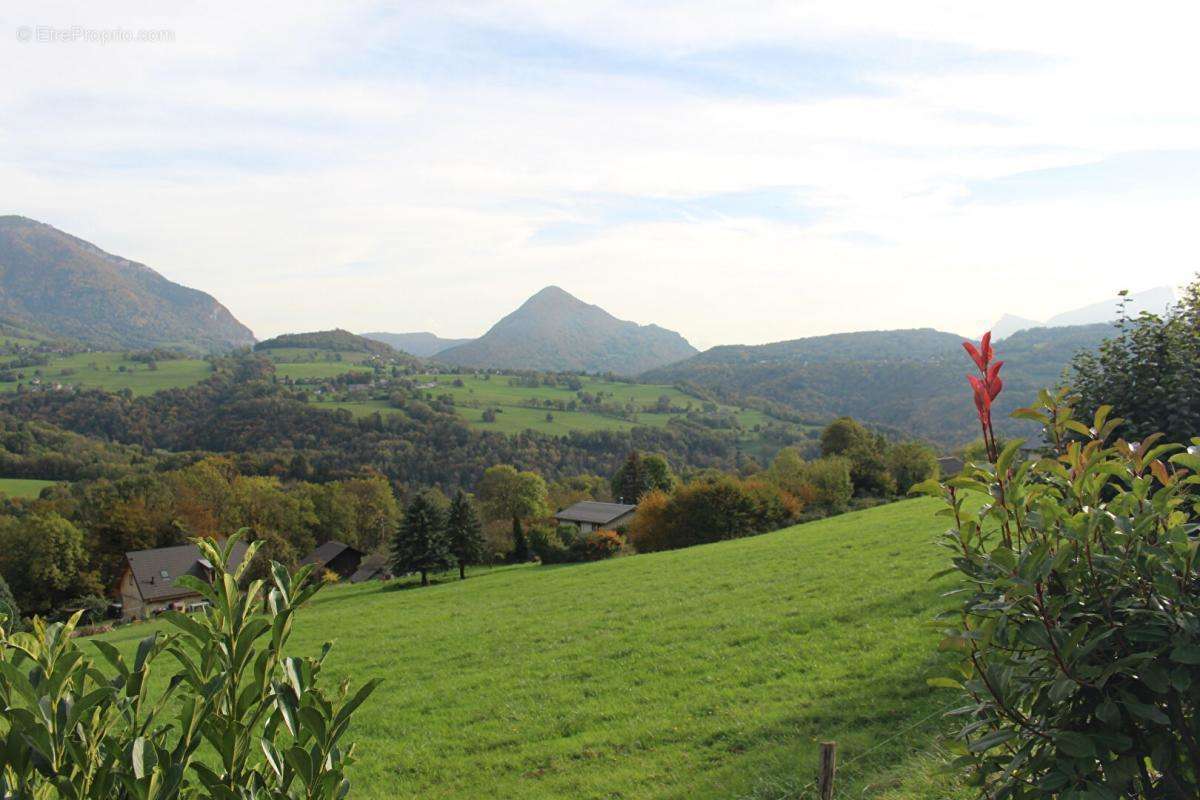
[
  {"x": 994, "y": 739},
  {"x": 1186, "y": 654},
  {"x": 1075, "y": 744},
  {"x": 943, "y": 683}
]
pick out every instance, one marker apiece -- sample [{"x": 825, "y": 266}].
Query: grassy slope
[
  {"x": 476, "y": 394},
  {"x": 23, "y": 487},
  {"x": 101, "y": 370},
  {"x": 701, "y": 673}
]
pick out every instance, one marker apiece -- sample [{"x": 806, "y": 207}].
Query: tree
[
  {"x": 787, "y": 470},
  {"x": 910, "y": 463},
  {"x": 1149, "y": 372},
  {"x": 464, "y": 532},
  {"x": 639, "y": 475},
  {"x": 516, "y": 496},
  {"x": 630, "y": 481},
  {"x": 831, "y": 483},
  {"x": 843, "y": 435},
  {"x": 869, "y": 469},
  {"x": 421, "y": 544},
  {"x": 45, "y": 562}
]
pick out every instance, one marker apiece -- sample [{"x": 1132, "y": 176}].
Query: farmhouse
[
  {"x": 148, "y": 585},
  {"x": 373, "y": 568},
  {"x": 590, "y": 516},
  {"x": 336, "y": 557}
]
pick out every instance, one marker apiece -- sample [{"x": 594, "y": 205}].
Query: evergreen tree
[
  {"x": 464, "y": 532},
  {"x": 421, "y": 544},
  {"x": 631, "y": 480}
]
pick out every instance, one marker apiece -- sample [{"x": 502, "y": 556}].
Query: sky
[{"x": 740, "y": 173}]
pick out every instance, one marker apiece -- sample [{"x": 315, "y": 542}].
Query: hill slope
[
  {"x": 555, "y": 331},
  {"x": 703, "y": 673},
  {"x": 911, "y": 380},
  {"x": 62, "y": 286},
  {"x": 336, "y": 339},
  {"x": 421, "y": 344}
]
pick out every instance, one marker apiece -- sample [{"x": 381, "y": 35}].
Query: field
[
  {"x": 23, "y": 487},
  {"x": 306, "y": 364},
  {"x": 513, "y": 416},
  {"x": 711, "y": 672},
  {"x": 113, "y": 371}
]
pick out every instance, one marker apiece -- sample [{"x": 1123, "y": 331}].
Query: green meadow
[
  {"x": 306, "y": 363},
  {"x": 23, "y": 487},
  {"x": 478, "y": 393},
  {"x": 113, "y": 371},
  {"x": 711, "y": 672}
]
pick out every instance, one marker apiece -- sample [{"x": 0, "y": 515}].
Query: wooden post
[{"x": 828, "y": 769}]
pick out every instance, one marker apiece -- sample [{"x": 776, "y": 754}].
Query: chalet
[
  {"x": 373, "y": 568},
  {"x": 336, "y": 557},
  {"x": 148, "y": 585},
  {"x": 590, "y": 516}
]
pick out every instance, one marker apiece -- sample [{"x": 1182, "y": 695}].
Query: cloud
[{"x": 735, "y": 176}]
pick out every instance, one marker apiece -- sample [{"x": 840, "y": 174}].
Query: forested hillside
[
  {"x": 59, "y": 286},
  {"x": 909, "y": 380}
]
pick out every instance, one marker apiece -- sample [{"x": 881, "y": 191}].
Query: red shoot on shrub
[{"x": 986, "y": 387}]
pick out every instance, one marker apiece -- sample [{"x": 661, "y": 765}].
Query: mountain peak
[{"x": 554, "y": 330}]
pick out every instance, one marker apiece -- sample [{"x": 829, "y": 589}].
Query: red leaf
[
  {"x": 975, "y": 355},
  {"x": 985, "y": 345}
]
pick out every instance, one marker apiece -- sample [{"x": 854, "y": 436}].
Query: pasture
[
  {"x": 23, "y": 487},
  {"x": 112, "y": 371},
  {"x": 515, "y": 414},
  {"x": 710, "y": 672}
]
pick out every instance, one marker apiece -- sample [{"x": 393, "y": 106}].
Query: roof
[
  {"x": 326, "y": 553},
  {"x": 370, "y": 568},
  {"x": 598, "y": 513},
  {"x": 155, "y": 571}
]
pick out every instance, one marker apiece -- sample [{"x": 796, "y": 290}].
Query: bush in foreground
[
  {"x": 1079, "y": 624},
  {"x": 72, "y": 730}
]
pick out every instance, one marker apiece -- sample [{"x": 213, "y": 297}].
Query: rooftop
[{"x": 594, "y": 512}]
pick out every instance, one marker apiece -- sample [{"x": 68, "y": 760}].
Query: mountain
[
  {"x": 1009, "y": 324},
  {"x": 910, "y": 380},
  {"x": 421, "y": 344},
  {"x": 1154, "y": 300},
  {"x": 61, "y": 286},
  {"x": 555, "y": 331}
]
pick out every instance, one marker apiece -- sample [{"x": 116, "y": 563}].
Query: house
[
  {"x": 336, "y": 557},
  {"x": 148, "y": 584},
  {"x": 373, "y": 568},
  {"x": 949, "y": 466},
  {"x": 590, "y": 516}
]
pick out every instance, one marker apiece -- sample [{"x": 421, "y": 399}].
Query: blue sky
[{"x": 786, "y": 170}]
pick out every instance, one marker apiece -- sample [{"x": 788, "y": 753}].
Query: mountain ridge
[{"x": 67, "y": 287}]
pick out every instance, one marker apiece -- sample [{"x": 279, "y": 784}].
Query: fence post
[{"x": 828, "y": 769}]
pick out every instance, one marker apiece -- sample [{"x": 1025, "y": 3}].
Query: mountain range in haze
[
  {"x": 1155, "y": 301},
  {"x": 55, "y": 285},
  {"x": 421, "y": 343}
]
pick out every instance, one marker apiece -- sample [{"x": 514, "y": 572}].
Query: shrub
[
  {"x": 546, "y": 545},
  {"x": 830, "y": 480},
  {"x": 1079, "y": 615},
  {"x": 270, "y": 728},
  {"x": 911, "y": 463},
  {"x": 710, "y": 509},
  {"x": 597, "y": 546}
]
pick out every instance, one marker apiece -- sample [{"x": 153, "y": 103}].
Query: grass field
[
  {"x": 304, "y": 363},
  {"x": 711, "y": 672},
  {"x": 23, "y": 487},
  {"x": 104, "y": 370},
  {"x": 477, "y": 394}
]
